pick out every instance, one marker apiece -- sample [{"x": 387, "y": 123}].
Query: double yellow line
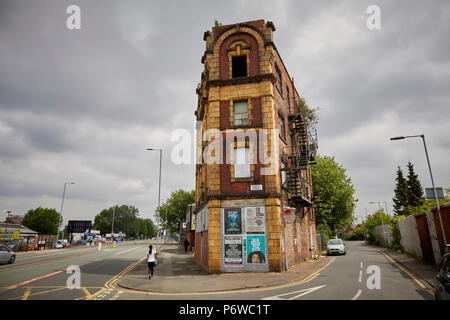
[
  {"x": 315, "y": 273},
  {"x": 408, "y": 273},
  {"x": 109, "y": 283}
]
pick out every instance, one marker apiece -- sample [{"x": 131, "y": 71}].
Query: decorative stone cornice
[{"x": 241, "y": 80}]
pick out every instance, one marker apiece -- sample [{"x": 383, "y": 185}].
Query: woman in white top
[{"x": 151, "y": 259}]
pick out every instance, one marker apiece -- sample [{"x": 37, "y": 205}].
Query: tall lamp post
[
  {"x": 381, "y": 215},
  {"x": 62, "y": 204},
  {"x": 112, "y": 224},
  {"x": 446, "y": 245},
  {"x": 159, "y": 187}
]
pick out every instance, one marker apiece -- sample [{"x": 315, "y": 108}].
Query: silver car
[
  {"x": 335, "y": 246},
  {"x": 7, "y": 255}
]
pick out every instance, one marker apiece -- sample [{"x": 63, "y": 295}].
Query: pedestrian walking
[
  {"x": 151, "y": 260},
  {"x": 186, "y": 245}
]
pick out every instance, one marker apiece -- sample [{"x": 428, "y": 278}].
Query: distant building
[
  {"x": 17, "y": 219},
  {"x": 258, "y": 152}
]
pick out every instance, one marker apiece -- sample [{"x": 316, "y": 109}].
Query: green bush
[
  {"x": 357, "y": 234},
  {"x": 396, "y": 236}
]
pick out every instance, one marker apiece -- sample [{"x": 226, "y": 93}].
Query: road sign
[
  {"x": 430, "y": 193},
  {"x": 288, "y": 215},
  {"x": 78, "y": 226},
  {"x": 10, "y": 235}
]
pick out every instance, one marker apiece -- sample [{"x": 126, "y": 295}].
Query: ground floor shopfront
[{"x": 249, "y": 235}]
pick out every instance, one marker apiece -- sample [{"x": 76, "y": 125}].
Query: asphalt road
[
  {"x": 44, "y": 275},
  {"x": 364, "y": 273}
]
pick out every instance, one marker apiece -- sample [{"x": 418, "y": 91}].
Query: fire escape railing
[{"x": 298, "y": 157}]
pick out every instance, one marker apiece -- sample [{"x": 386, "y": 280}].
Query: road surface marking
[
  {"x": 14, "y": 286},
  {"x": 121, "y": 273},
  {"x": 302, "y": 293},
  {"x": 361, "y": 264},
  {"x": 408, "y": 273},
  {"x": 26, "y": 265},
  {"x": 107, "y": 284},
  {"x": 87, "y": 293},
  {"x": 126, "y": 251},
  {"x": 38, "y": 293},
  {"x": 360, "y": 275},
  {"x": 103, "y": 294},
  {"x": 279, "y": 286},
  {"x": 26, "y": 294},
  {"x": 116, "y": 295},
  {"x": 357, "y": 295}
]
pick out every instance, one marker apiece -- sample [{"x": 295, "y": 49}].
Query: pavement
[{"x": 178, "y": 272}]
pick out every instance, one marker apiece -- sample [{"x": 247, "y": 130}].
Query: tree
[
  {"x": 175, "y": 209},
  {"x": 400, "y": 193},
  {"x": 427, "y": 205},
  {"x": 358, "y": 234},
  {"x": 333, "y": 191},
  {"x": 126, "y": 220},
  {"x": 43, "y": 220},
  {"x": 310, "y": 114},
  {"x": 374, "y": 219},
  {"x": 415, "y": 192}
]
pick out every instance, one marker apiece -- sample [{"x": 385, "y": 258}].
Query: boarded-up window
[{"x": 242, "y": 163}]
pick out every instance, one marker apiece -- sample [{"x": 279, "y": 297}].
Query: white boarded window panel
[{"x": 242, "y": 163}]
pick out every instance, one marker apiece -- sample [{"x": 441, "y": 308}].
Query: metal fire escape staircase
[{"x": 300, "y": 155}]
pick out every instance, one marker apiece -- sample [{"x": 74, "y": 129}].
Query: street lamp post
[
  {"x": 446, "y": 245},
  {"x": 62, "y": 204},
  {"x": 382, "y": 223},
  {"x": 159, "y": 187},
  {"x": 385, "y": 204},
  {"x": 112, "y": 224}
]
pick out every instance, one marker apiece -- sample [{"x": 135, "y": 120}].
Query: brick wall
[{"x": 216, "y": 96}]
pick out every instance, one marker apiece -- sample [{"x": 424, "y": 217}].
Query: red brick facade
[{"x": 216, "y": 187}]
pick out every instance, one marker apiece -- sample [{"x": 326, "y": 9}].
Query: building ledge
[{"x": 241, "y": 80}]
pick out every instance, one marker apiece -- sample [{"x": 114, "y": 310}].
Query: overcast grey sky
[{"x": 83, "y": 105}]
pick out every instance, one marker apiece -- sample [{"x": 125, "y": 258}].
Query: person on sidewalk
[
  {"x": 151, "y": 259},
  {"x": 186, "y": 245}
]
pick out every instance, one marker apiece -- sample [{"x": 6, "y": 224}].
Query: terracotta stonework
[{"x": 219, "y": 194}]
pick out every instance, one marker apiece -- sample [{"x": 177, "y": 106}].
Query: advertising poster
[
  {"x": 255, "y": 220},
  {"x": 233, "y": 250},
  {"x": 256, "y": 249},
  {"x": 233, "y": 221}
]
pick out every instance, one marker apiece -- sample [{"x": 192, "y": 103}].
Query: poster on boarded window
[
  {"x": 255, "y": 220},
  {"x": 233, "y": 221},
  {"x": 256, "y": 249},
  {"x": 233, "y": 250}
]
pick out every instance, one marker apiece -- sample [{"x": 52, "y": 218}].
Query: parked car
[
  {"x": 335, "y": 246},
  {"x": 442, "y": 287},
  {"x": 6, "y": 254},
  {"x": 59, "y": 244}
]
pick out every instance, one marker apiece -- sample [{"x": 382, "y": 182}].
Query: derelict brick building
[{"x": 249, "y": 121}]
